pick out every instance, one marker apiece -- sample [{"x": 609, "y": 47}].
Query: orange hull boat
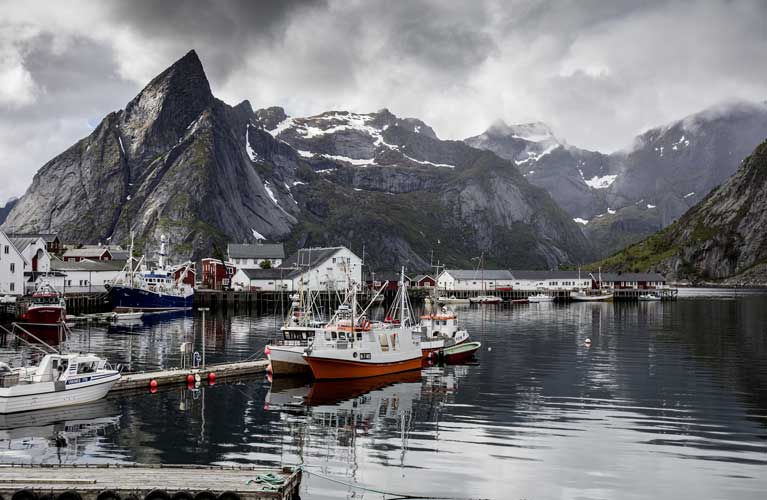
[{"x": 324, "y": 368}]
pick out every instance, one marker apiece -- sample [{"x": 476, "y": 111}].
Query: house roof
[
  {"x": 267, "y": 274},
  {"x": 477, "y": 274},
  {"x": 86, "y": 252},
  {"x": 22, "y": 242},
  {"x": 47, "y": 237},
  {"x": 255, "y": 251},
  {"x": 310, "y": 257},
  {"x": 18, "y": 250},
  {"x": 544, "y": 275},
  {"x": 87, "y": 265},
  {"x": 422, "y": 276}
]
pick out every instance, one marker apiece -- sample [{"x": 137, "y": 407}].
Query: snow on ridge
[
  {"x": 251, "y": 154},
  {"x": 534, "y": 157},
  {"x": 689, "y": 194},
  {"x": 610, "y": 211},
  {"x": 354, "y": 161},
  {"x": 580, "y": 221},
  {"x": 281, "y": 127},
  {"x": 650, "y": 206},
  {"x": 424, "y": 162},
  {"x": 121, "y": 144},
  {"x": 597, "y": 182},
  {"x": 271, "y": 193},
  {"x": 298, "y": 183},
  {"x": 257, "y": 235}
]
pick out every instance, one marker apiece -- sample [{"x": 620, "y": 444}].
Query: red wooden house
[{"x": 217, "y": 275}]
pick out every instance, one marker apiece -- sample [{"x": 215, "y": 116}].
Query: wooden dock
[
  {"x": 175, "y": 376},
  {"x": 147, "y": 482}
]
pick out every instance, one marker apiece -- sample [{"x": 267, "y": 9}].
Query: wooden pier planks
[
  {"x": 141, "y": 380},
  {"x": 138, "y": 480}
]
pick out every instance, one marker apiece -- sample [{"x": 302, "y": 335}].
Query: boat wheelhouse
[{"x": 47, "y": 307}]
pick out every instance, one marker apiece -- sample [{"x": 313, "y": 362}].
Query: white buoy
[
  {"x": 587, "y": 341},
  {"x": 489, "y": 348}
]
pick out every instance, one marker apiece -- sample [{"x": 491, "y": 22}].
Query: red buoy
[
  {"x": 190, "y": 379},
  {"x": 267, "y": 351},
  {"x": 153, "y": 384},
  {"x": 211, "y": 377}
]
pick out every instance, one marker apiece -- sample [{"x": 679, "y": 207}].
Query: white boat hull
[
  {"x": 288, "y": 360},
  {"x": 45, "y": 395},
  {"x": 591, "y": 298}
]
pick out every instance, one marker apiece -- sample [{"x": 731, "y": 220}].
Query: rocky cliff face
[
  {"x": 623, "y": 197},
  {"x": 724, "y": 235},
  {"x": 172, "y": 162},
  {"x": 177, "y": 161}
]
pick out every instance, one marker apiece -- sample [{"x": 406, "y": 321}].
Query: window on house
[
  {"x": 7, "y": 249},
  {"x": 13, "y": 287},
  {"x": 334, "y": 260},
  {"x": 13, "y": 267}
]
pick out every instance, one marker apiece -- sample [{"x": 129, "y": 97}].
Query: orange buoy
[
  {"x": 211, "y": 377},
  {"x": 153, "y": 384},
  {"x": 190, "y": 379}
]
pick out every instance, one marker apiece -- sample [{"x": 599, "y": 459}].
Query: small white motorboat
[
  {"x": 59, "y": 380},
  {"x": 485, "y": 299},
  {"x": 451, "y": 300},
  {"x": 540, "y": 297},
  {"x": 649, "y": 297}
]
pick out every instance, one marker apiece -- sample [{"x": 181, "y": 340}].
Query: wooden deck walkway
[
  {"x": 148, "y": 482},
  {"x": 141, "y": 380}
]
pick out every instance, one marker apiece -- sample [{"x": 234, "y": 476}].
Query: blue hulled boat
[{"x": 158, "y": 289}]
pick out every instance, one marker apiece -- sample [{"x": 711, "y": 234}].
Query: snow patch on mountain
[
  {"x": 599, "y": 182},
  {"x": 580, "y": 221}
]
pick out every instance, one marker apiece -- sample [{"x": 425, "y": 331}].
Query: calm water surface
[{"x": 669, "y": 401}]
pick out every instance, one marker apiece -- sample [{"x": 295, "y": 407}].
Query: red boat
[
  {"x": 461, "y": 352},
  {"x": 46, "y": 308}
]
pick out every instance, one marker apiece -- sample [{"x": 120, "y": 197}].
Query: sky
[{"x": 598, "y": 72}]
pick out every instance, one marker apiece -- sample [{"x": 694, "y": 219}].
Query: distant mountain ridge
[
  {"x": 723, "y": 236},
  {"x": 6, "y": 208},
  {"x": 627, "y": 195},
  {"x": 179, "y": 162}
]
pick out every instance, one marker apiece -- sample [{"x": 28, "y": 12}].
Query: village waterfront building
[
  {"x": 86, "y": 276},
  {"x": 35, "y": 251},
  {"x": 475, "y": 280},
  {"x": 217, "y": 275},
  {"x": 89, "y": 253},
  {"x": 12, "y": 267},
  {"x": 269, "y": 280},
  {"x": 551, "y": 280},
  {"x": 256, "y": 255},
  {"x": 324, "y": 268}
]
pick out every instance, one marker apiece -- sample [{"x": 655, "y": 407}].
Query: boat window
[
  {"x": 327, "y": 335},
  {"x": 55, "y": 364},
  {"x": 342, "y": 335},
  {"x": 359, "y": 335},
  {"x": 333, "y": 335},
  {"x": 86, "y": 367}
]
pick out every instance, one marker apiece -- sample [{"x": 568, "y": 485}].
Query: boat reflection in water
[
  {"x": 56, "y": 435},
  {"x": 338, "y": 426}
]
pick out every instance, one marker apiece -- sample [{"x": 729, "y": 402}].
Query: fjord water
[{"x": 668, "y": 401}]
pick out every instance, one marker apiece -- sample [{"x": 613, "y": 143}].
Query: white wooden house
[
  {"x": 551, "y": 280},
  {"x": 252, "y": 256},
  {"x": 12, "y": 267},
  {"x": 324, "y": 268},
  {"x": 271, "y": 280},
  {"x": 35, "y": 252}
]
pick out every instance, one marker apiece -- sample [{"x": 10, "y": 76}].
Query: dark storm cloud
[
  {"x": 222, "y": 29},
  {"x": 597, "y": 71}
]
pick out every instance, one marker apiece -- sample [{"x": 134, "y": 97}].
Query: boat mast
[{"x": 403, "y": 292}]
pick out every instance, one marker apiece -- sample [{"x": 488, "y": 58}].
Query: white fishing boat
[
  {"x": 485, "y": 299},
  {"x": 286, "y": 352},
  {"x": 540, "y": 297},
  {"x": 353, "y": 347},
  {"x": 591, "y": 297},
  {"x": 649, "y": 297},
  {"x": 59, "y": 380},
  {"x": 440, "y": 330}
]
